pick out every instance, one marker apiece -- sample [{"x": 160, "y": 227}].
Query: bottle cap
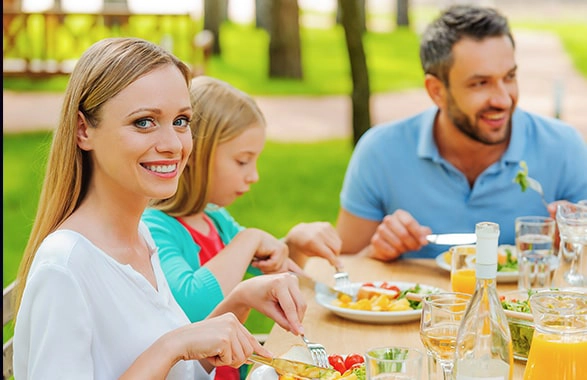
[{"x": 486, "y": 249}]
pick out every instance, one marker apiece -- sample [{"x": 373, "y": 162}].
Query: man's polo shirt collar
[{"x": 427, "y": 148}]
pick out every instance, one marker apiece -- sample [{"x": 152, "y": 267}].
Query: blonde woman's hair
[
  {"x": 104, "y": 70},
  {"x": 220, "y": 113}
]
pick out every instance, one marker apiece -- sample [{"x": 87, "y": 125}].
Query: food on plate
[
  {"x": 447, "y": 257},
  {"x": 520, "y": 330},
  {"x": 381, "y": 296},
  {"x": 349, "y": 367},
  {"x": 506, "y": 259}
]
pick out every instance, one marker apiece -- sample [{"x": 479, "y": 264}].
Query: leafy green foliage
[{"x": 521, "y": 177}]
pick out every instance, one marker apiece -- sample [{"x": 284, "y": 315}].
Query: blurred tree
[
  {"x": 262, "y": 19},
  {"x": 402, "y": 13},
  {"x": 360, "y": 75},
  {"x": 285, "y": 56},
  {"x": 361, "y": 16},
  {"x": 215, "y": 12}
]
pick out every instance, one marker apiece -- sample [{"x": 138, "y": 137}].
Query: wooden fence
[{"x": 41, "y": 44}]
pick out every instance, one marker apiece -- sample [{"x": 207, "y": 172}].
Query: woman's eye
[
  {"x": 145, "y": 123},
  {"x": 182, "y": 122}
]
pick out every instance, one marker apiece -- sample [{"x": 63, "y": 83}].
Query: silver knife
[
  {"x": 319, "y": 287},
  {"x": 299, "y": 370},
  {"x": 452, "y": 239}
]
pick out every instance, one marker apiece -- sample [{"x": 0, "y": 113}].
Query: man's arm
[{"x": 355, "y": 232}]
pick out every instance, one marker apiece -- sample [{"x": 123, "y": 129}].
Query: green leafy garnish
[
  {"x": 521, "y": 177},
  {"x": 511, "y": 263},
  {"x": 360, "y": 372},
  {"x": 416, "y": 305}
]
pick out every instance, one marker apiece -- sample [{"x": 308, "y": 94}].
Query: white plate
[
  {"x": 501, "y": 276},
  {"x": 263, "y": 372},
  {"x": 375, "y": 316}
]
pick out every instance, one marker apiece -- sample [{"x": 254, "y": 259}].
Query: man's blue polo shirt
[{"x": 398, "y": 166}]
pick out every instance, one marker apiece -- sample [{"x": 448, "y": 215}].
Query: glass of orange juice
[{"x": 462, "y": 269}]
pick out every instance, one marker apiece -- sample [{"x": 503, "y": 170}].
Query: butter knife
[
  {"x": 298, "y": 369},
  {"x": 319, "y": 287},
  {"x": 452, "y": 239}
]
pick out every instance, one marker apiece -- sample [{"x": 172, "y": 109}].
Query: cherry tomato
[
  {"x": 337, "y": 362},
  {"x": 353, "y": 359},
  {"x": 369, "y": 284}
]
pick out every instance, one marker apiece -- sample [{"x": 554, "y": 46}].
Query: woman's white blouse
[{"x": 86, "y": 316}]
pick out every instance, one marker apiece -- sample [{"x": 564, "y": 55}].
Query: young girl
[
  {"x": 92, "y": 300},
  {"x": 204, "y": 252}
]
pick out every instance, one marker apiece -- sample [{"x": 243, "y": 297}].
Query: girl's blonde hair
[
  {"x": 220, "y": 113},
  {"x": 104, "y": 70}
]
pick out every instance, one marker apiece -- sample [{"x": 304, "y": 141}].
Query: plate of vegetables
[
  {"x": 381, "y": 302},
  {"x": 520, "y": 330},
  {"x": 348, "y": 367},
  {"x": 507, "y": 263}
]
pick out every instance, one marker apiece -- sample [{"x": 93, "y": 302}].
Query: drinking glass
[
  {"x": 535, "y": 249},
  {"x": 462, "y": 269},
  {"x": 394, "y": 363},
  {"x": 571, "y": 220},
  {"x": 441, "y": 318}
]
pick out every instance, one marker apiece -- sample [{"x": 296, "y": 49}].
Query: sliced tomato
[
  {"x": 368, "y": 284},
  {"x": 353, "y": 359},
  {"x": 394, "y": 288},
  {"x": 337, "y": 362}
]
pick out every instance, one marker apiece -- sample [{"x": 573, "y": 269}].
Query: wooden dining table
[{"x": 343, "y": 336}]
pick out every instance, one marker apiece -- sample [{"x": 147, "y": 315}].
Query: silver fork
[
  {"x": 318, "y": 351},
  {"x": 537, "y": 187},
  {"x": 342, "y": 281}
]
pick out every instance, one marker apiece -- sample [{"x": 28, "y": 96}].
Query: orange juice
[
  {"x": 463, "y": 280},
  {"x": 556, "y": 357}
]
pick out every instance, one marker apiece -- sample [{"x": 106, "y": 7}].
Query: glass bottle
[
  {"x": 559, "y": 344},
  {"x": 484, "y": 343}
]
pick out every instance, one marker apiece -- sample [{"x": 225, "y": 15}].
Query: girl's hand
[
  {"x": 271, "y": 254},
  {"x": 314, "y": 239}
]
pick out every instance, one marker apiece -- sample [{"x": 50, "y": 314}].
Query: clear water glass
[
  {"x": 571, "y": 220},
  {"x": 535, "y": 250}
]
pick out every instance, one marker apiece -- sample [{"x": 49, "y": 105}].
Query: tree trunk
[
  {"x": 262, "y": 19},
  {"x": 212, "y": 18},
  {"x": 402, "y": 13},
  {"x": 361, "y": 16},
  {"x": 360, "y": 75},
  {"x": 285, "y": 57}
]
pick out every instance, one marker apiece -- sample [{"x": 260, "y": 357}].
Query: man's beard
[{"x": 463, "y": 124}]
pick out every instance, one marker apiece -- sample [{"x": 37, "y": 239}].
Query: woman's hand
[
  {"x": 221, "y": 340},
  {"x": 216, "y": 341},
  {"x": 278, "y": 296}
]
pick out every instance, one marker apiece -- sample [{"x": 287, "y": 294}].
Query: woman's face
[
  {"x": 235, "y": 165},
  {"x": 143, "y": 139}
]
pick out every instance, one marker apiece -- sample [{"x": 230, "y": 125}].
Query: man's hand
[{"x": 396, "y": 234}]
